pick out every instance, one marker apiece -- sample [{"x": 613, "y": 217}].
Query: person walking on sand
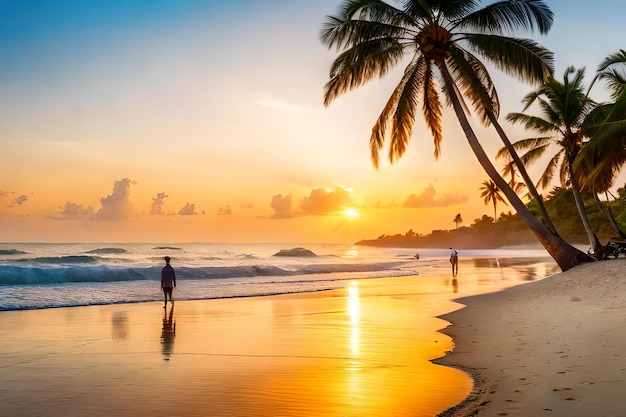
[
  {"x": 168, "y": 280},
  {"x": 454, "y": 260}
]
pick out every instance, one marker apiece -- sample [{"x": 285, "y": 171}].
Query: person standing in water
[
  {"x": 168, "y": 280},
  {"x": 454, "y": 260}
]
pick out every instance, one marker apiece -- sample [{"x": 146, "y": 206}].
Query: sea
[{"x": 52, "y": 275}]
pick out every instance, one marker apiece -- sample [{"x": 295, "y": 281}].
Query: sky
[{"x": 203, "y": 121}]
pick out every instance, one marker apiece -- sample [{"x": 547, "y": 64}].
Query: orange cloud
[
  {"x": 18, "y": 201},
  {"x": 73, "y": 210},
  {"x": 157, "y": 204},
  {"x": 427, "y": 199},
  {"x": 282, "y": 205},
  {"x": 188, "y": 210},
  {"x": 225, "y": 211},
  {"x": 321, "y": 202}
]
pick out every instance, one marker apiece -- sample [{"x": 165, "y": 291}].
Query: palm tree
[
  {"x": 601, "y": 160},
  {"x": 565, "y": 107},
  {"x": 458, "y": 220},
  {"x": 510, "y": 170},
  {"x": 491, "y": 193},
  {"x": 441, "y": 40}
]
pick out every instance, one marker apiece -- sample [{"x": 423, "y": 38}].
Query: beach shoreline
[{"x": 544, "y": 348}]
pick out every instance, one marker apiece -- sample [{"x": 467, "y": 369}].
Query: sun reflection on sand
[
  {"x": 354, "y": 382},
  {"x": 354, "y": 311}
]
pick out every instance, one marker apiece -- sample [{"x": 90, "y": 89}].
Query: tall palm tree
[
  {"x": 458, "y": 220},
  {"x": 441, "y": 39},
  {"x": 491, "y": 194},
  {"x": 565, "y": 107}
]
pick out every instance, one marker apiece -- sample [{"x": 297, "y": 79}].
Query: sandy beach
[
  {"x": 345, "y": 352},
  {"x": 555, "y": 347}
]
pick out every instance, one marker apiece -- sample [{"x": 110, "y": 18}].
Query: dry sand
[{"x": 555, "y": 347}]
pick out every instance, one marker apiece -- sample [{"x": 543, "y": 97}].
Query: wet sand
[
  {"x": 347, "y": 352},
  {"x": 555, "y": 347}
]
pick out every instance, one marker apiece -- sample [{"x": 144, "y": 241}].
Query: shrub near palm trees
[{"x": 441, "y": 41}]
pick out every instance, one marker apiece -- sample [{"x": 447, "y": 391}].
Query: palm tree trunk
[
  {"x": 565, "y": 255},
  {"x": 609, "y": 215},
  {"x": 522, "y": 170},
  {"x": 594, "y": 242}
]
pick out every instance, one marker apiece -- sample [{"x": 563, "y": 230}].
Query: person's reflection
[
  {"x": 119, "y": 325},
  {"x": 168, "y": 333},
  {"x": 455, "y": 285}
]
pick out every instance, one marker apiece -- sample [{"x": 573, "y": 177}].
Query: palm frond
[
  {"x": 615, "y": 80},
  {"x": 418, "y": 9},
  {"x": 405, "y": 113},
  {"x": 613, "y": 72},
  {"x": 360, "y": 64},
  {"x": 565, "y": 174},
  {"x": 553, "y": 113},
  {"x": 474, "y": 82},
  {"x": 360, "y": 20},
  {"x": 535, "y": 153},
  {"x": 607, "y": 116},
  {"x": 511, "y": 16},
  {"x": 597, "y": 172},
  {"x": 522, "y": 58},
  {"x": 432, "y": 109},
  {"x": 548, "y": 173},
  {"x": 450, "y": 9},
  {"x": 522, "y": 145},
  {"x": 532, "y": 122},
  {"x": 613, "y": 59},
  {"x": 414, "y": 70}
]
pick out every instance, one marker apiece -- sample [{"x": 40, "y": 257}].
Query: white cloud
[{"x": 116, "y": 206}]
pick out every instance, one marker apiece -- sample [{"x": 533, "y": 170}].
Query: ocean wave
[
  {"x": 18, "y": 275},
  {"x": 107, "y": 251},
  {"x": 12, "y": 252},
  {"x": 34, "y": 275},
  {"x": 61, "y": 260}
]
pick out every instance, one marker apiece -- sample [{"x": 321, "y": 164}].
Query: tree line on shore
[{"x": 509, "y": 230}]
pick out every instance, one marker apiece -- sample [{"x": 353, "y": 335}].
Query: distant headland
[{"x": 484, "y": 233}]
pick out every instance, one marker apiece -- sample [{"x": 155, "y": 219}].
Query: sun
[{"x": 351, "y": 213}]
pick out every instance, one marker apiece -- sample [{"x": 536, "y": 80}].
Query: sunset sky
[{"x": 179, "y": 121}]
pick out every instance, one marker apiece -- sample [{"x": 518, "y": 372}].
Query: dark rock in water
[{"x": 295, "y": 252}]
